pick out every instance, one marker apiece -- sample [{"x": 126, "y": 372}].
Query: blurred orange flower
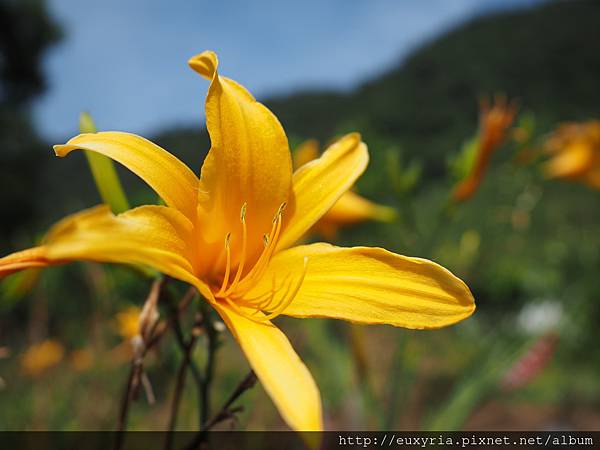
[
  {"x": 350, "y": 208},
  {"x": 494, "y": 123},
  {"x": 575, "y": 153},
  {"x": 128, "y": 322},
  {"x": 40, "y": 357}
]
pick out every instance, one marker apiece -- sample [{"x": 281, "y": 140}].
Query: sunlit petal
[
  {"x": 154, "y": 236},
  {"x": 320, "y": 183},
  {"x": 573, "y": 161},
  {"x": 281, "y": 372},
  {"x": 350, "y": 209},
  {"x": 370, "y": 285},
  {"x": 167, "y": 175},
  {"x": 249, "y": 161}
]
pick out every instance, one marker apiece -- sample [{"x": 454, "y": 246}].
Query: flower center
[{"x": 271, "y": 304}]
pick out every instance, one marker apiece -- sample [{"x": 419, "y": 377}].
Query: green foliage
[
  {"x": 403, "y": 177},
  {"x": 546, "y": 57},
  {"x": 461, "y": 164}
]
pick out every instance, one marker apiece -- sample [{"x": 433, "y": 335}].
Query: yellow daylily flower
[
  {"x": 575, "y": 153},
  {"x": 230, "y": 233},
  {"x": 40, "y": 357},
  {"x": 350, "y": 209},
  {"x": 494, "y": 123}
]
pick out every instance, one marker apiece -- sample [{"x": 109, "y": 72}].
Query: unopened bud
[{"x": 219, "y": 326}]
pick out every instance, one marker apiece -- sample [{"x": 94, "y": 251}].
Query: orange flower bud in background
[{"x": 494, "y": 123}]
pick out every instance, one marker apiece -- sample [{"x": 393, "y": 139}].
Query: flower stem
[
  {"x": 211, "y": 348},
  {"x": 226, "y": 412}
]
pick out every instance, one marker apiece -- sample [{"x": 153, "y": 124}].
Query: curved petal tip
[{"x": 205, "y": 64}]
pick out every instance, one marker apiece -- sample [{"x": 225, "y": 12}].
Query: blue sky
[{"x": 125, "y": 60}]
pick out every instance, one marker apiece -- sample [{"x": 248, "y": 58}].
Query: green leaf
[
  {"x": 462, "y": 164},
  {"x": 103, "y": 171}
]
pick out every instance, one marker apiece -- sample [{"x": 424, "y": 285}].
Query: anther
[{"x": 279, "y": 212}]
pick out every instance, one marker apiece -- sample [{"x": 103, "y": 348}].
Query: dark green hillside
[{"x": 548, "y": 57}]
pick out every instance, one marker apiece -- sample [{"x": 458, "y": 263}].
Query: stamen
[
  {"x": 280, "y": 211},
  {"x": 241, "y": 312},
  {"x": 269, "y": 300},
  {"x": 280, "y": 307},
  {"x": 240, "y": 268},
  {"x": 260, "y": 300},
  {"x": 227, "y": 266},
  {"x": 265, "y": 256},
  {"x": 251, "y": 308},
  {"x": 272, "y": 305},
  {"x": 285, "y": 304}
]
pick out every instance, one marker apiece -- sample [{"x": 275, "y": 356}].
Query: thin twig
[
  {"x": 128, "y": 395},
  {"x": 186, "y": 362},
  {"x": 165, "y": 325},
  {"x": 212, "y": 344},
  {"x": 177, "y": 329},
  {"x": 226, "y": 412}
]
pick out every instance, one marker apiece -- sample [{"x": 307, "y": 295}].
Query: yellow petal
[
  {"x": 281, "y": 372},
  {"x": 249, "y": 160},
  {"x": 156, "y": 236},
  {"x": 305, "y": 152},
  {"x": 352, "y": 208},
  {"x": 25, "y": 259},
  {"x": 172, "y": 180},
  {"x": 320, "y": 183},
  {"x": 370, "y": 285}
]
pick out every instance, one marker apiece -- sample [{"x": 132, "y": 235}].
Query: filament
[
  {"x": 266, "y": 306},
  {"x": 242, "y": 262},
  {"x": 227, "y": 266}
]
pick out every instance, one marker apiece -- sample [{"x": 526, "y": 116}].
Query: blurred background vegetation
[{"x": 528, "y": 247}]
